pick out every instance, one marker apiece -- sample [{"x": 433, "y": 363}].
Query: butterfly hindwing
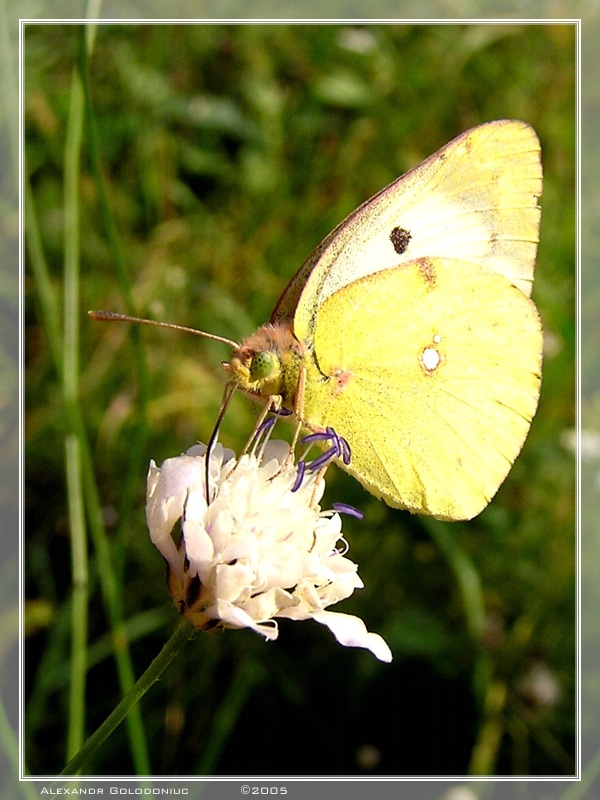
[{"x": 433, "y": 373}]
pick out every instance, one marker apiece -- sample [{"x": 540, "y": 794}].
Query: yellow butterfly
[{"x": 410, "y": 331}]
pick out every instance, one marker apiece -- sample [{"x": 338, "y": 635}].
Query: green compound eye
[{"x": 263, "y": 364}]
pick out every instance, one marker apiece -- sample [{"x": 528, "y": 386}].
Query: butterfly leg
[
  {"x": 271, "y": 402},
  {"x": 299, "y": 406}
]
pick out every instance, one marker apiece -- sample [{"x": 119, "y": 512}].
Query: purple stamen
[
  {"x": 265, "y": 426},
  {"x": 344, "y": 508},
  {"x": 315, "y": 437},
  {"x": 323, "y": 459},
  {"x": 299, "y": 476},
  {"x": 346, "y": 452},
  {"x": 339, "y": 447}
]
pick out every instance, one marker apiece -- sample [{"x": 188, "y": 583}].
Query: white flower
[{"x": 257, "y": 550}]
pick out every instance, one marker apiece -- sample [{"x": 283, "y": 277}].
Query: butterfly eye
[{"x": 263, "y": 365}]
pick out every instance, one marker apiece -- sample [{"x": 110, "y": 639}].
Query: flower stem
[{"x": 184, "y": 632}]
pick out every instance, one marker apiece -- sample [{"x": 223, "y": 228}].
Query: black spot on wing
[{"x": 400, "y": 237}]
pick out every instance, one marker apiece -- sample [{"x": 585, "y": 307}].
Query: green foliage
[{"x": 226, "y": 153}]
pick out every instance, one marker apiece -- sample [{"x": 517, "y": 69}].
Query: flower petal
[
  {"x": 236, "y": 617},
  {"x": 352, "y": 632}
]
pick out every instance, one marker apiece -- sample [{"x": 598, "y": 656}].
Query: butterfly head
[
  {"x": 267, "y": 363},
  {"x": 254, "y": 371}
]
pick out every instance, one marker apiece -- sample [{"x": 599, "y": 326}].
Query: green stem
[
  {"x": 80, "y": 597},
  {"x": 70, "y": 376},
  {"x": 183, "y": 633}
]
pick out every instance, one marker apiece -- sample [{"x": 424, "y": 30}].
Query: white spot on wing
[{"x": 430, "y": 359}]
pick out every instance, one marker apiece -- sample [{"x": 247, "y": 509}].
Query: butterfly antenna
[{"x": 112, "y": 316}]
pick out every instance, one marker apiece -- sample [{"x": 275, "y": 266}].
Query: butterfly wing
[
  {"x": 474, "y": 200},
  {"x": 431, "y": 371}
]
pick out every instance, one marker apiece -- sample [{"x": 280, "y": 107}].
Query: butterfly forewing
[{"x": 474, "y": 200}]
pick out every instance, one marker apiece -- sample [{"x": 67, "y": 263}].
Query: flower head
[{"x": 258, "y": 549}]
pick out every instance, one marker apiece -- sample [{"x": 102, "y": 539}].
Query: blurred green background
[{"x": 226, "y": 154}]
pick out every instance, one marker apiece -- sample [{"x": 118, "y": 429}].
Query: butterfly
[{"x": 410, "y": 330}]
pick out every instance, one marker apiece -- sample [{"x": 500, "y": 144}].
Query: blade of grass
[
  {"x": 466, "y": 576},
  {"x": 80, "y": 598},
  {"x": 109, "y": 582},
  {"x": 140, "y": 432},
  {"x": 70, "y": 353}
]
